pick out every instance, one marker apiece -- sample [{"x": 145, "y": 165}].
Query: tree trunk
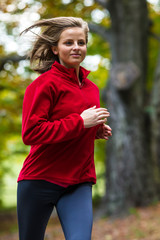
[
  {"x": 130, "y": 179},
  {"x": 155, "y": 120}
]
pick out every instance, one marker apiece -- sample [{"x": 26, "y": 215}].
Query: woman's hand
[
  {"x": 94, "y": 116},
  {"x": 103, "y": 132}
]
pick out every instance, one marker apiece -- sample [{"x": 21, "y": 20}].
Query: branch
[
  {"x": 104, "y": 3},
  {"x": 154, "y": 36},
  {"x": 100, "y": 30},
  {"x": 12, "y": 58}
]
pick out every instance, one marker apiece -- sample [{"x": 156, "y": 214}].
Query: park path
[{"x": 142, "y": 224}]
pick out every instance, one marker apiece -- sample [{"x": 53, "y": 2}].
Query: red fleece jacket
[{"x": 62, "y": 150}]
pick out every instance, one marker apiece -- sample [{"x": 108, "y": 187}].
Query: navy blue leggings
[{"x": 36, "y": 200}]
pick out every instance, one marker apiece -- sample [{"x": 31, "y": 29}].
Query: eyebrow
[{"x": 71, "y": 39}]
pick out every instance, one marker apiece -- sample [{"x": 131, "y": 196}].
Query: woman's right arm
[{"x": 36, "y": 127}]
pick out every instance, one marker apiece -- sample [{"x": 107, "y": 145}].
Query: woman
[{"x": 61, "y": 119}]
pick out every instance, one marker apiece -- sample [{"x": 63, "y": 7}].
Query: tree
[
  {"x": 155, "y": 116},
  {"x": 130, "y": 169}
]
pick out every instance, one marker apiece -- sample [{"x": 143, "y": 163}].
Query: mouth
[{"x": 75, "y": 55}]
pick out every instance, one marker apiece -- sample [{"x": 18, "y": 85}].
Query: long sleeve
[
  {"x": 62, "y": 149},
  {"x": 36, "y": 125}
]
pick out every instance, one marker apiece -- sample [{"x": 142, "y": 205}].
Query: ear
[{"x": 54, "y": 50}]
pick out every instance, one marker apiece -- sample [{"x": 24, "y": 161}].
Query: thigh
[
  {"x": 34, "y": 206},
  {"x": 74, "y": 209}
]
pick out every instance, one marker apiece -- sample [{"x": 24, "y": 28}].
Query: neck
[
  {"x": 77, "y": 70},
  {"x": 78, "y": 77}
]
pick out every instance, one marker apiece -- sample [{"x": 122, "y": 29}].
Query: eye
[
  {"x": 81, "y": 42},
  {"x": 68, "y": 43}
]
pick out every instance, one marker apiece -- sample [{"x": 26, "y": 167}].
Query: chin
[{"x": 74, "y": 64}]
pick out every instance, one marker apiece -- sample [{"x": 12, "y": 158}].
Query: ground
[{"x": 141, "y": 224}]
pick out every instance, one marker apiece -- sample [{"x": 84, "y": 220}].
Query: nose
[{"x": 76, "y": 46}]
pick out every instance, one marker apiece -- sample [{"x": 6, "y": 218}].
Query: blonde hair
[{"x": 41, "y": 53}]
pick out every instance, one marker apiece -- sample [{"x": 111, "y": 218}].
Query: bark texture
[
  {"x": 155, "y": 119},
  {"x": 130, "y": 178}
]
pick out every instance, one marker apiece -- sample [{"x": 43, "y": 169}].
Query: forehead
[{"x": 74, "y": 32}]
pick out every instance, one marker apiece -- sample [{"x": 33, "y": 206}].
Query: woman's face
[{"x": 72, "y": 47}]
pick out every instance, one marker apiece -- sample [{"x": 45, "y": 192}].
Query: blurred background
[{"x": 123, "y": 56}]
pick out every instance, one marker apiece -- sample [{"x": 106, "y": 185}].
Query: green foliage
[
  {"x": 153, "y": 46},
  {"x": 99, "y": 188},
  {"x": 12, "y": 87}
]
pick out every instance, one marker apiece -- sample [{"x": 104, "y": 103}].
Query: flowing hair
[{"x": 41, "y": 55}]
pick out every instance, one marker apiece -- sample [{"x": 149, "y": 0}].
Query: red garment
[{"x": 62, "y": 150}]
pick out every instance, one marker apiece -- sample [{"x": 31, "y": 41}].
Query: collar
[{"x": 70, "y": 73}]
